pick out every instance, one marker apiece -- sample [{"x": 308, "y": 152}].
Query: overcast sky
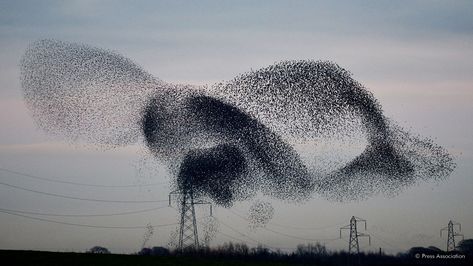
[{"x": 415, "y": 56}]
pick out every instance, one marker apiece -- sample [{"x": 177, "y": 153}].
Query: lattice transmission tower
[
  {"x": 188, "y": 234},
  {"x": 451, "y": 246},
  {"x": 353, "y": 244}
]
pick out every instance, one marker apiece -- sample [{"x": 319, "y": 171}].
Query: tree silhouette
[{"x": 99, "y": 250}]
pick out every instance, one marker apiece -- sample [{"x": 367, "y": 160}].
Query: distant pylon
[
  {"x": 353, "y": 244},
  {"x": 188, "y": 234},
  {"x": 451, "y": 246}
]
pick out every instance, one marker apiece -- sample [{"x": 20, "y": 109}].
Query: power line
[
  {"x": 284, "y": 234},
  {"x": 74, "y": 183},
  {"x": 227, "y": 235},
  {"x": 385, "y": 242},
  {"x": 250, "y": 238},
  {"x": 294, "y": 227},
  {"x": 82, "y": 215},
  {"x": 378, "y": 237},
  {"x": 78, "y": 198},
  {"x": 84, "y": 225},
  {"x": 238, "y": 232},
  {"x": 298, "y": 237},
  {"x": 303, "y": 228},
  {"x": 232, "y": 237}
]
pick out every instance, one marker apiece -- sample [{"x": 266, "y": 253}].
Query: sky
[{"x": 416, "y": 57}]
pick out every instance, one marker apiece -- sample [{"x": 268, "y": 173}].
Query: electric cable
[
  {"x": 82, "y": 215},
  {"x": 74, "y": 183},
  {"x": 79, "y": 198},
  {"x": 85, "y": 225}
]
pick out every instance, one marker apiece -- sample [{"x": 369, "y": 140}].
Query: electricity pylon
[
  {"x": 188, "y": 234},
  {"x": 353, "y": 244},
  {"x": 452, "y": 234}
]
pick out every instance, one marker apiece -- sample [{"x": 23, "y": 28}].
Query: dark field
[
  {"x": 17, "y": 257},
  {"x": 62, "y": 258}
]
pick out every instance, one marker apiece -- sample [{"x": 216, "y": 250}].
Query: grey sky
[{"x": 415, "y": 56}]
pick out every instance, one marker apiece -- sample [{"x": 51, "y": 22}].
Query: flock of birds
[{"x": 230, "y": 141}]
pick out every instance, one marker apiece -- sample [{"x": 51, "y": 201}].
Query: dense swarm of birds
[{"x": 229, "y": 141}]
